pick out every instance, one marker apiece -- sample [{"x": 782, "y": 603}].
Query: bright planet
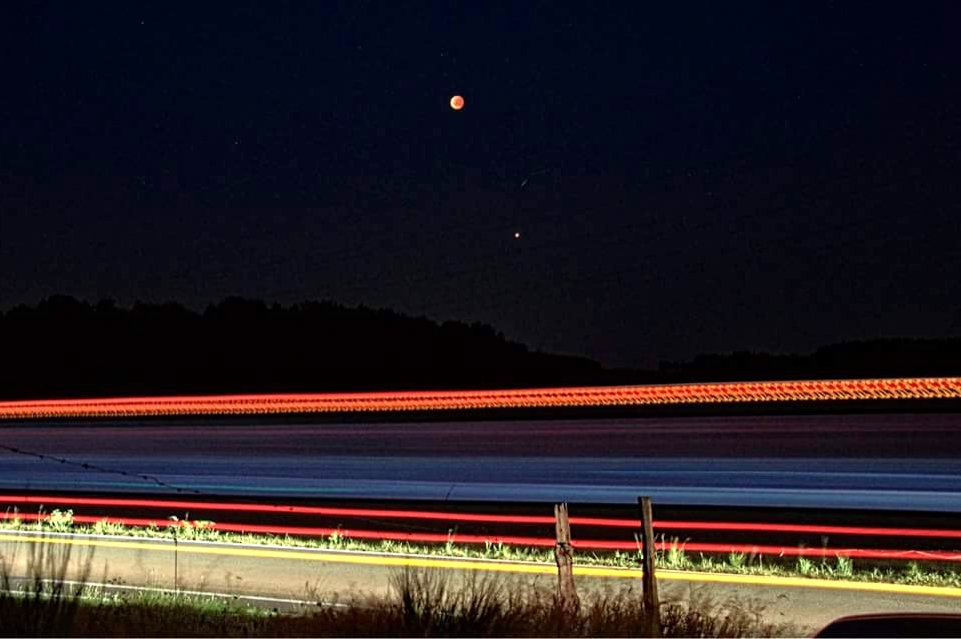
[{"x": 457, "y": 102}]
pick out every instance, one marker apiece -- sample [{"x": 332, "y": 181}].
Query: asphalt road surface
[
  {"x": 897, "y": 462},
  {"x": 325, "y": 576}
]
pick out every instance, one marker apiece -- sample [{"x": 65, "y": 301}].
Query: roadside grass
[
  {"x": 41, "y": 603},
  {"x": 419, "y": 603},
  {"x": 673, "y": 557}
]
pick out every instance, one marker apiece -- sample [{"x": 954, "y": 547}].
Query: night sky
[{"x": 683, "y": 177}]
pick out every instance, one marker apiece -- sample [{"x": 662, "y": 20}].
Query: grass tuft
[{"x": 40, "y": 602}]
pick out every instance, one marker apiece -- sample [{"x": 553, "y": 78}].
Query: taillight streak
[
  {"x": 374, "y": 513},
  {"x": 531, "y": 542},
  {"x": 596, "y": 396}
]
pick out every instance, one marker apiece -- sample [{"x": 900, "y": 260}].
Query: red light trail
[
  {"x": 733, "y": 392},
  {"x": 530, "y": 542},
  {"x": 514, "y": 540},
  {"x": 383, "y": 513}
]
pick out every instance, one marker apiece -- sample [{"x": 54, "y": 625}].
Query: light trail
[
  {"x": 374, "y": 559},
  {"x": 512, "y": 540},
  {"x": 383, "y": 513},
  {"x": 732, "y": 392}
]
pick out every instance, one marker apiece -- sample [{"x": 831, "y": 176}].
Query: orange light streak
[{"x": 591, "y": 396}]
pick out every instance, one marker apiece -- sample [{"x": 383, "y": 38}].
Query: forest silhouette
[{"x": 64, "y": 347}]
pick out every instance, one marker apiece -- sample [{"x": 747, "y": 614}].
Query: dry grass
[
  {"x": 419, "y": 603},
  {"x": 40, "y": 603}
]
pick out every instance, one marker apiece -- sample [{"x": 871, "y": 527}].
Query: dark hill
[
  {"x": 64, "y": 347},
  {"x": 67, "y": 348},
  {"x": 864, "y": 358}
]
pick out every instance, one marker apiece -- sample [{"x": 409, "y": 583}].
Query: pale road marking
[
  {"x": 490, "y": 566},
  {"x": 94, "y": 585}
]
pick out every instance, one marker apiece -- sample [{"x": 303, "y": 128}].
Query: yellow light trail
[{"x": 372, "y": 559}]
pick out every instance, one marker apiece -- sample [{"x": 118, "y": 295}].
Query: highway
[
  {"x": 875, "y": 461},
  {"x": 267, "y": 573}
]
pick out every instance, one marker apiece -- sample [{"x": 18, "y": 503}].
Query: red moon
[{"x": 457, "y": 102}]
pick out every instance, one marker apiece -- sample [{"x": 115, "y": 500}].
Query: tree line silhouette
[{"x": 63, "y": 347}]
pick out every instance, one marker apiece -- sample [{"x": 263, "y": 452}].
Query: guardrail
[
  {"x": 392, "y": 524},
  {"x": 733, "y": 392}
]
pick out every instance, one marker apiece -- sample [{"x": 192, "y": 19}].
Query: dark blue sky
[{"x": 699, "y": 176}]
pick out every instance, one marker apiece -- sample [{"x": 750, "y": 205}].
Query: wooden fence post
[
  {"x": 564, "y": 555},
  {"x": 649, "y": 579}
]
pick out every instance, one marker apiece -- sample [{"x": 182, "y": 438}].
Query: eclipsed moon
[{"x": 457, "y": 102}]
